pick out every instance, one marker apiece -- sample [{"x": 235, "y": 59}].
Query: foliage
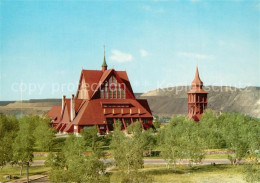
[
  {"x": 128, "y": 153},
  {"x": 23, "y": 144},
  {"x": 181, "y": 139},
  {"x": 71, "y": 165},
  {"x": 43, "y": 134},
  {"x": 92, "y": 139},
  {"x": 9, "y": 126},
  {"x": 156, "y": 122}
]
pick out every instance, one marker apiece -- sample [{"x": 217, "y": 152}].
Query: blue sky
[{"x": 45, "y": 44}]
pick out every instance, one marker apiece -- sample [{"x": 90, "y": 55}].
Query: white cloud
[
  {"x": 143, "y": 52},
  {"x": 195, "y": 55},
  {"x": 195, "y": 1},
  {"x": 153, "y": 9},
  {"x": 120, "y": 57}
]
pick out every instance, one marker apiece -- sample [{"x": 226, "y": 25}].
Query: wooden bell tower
[{"x": 197, "y": 98}]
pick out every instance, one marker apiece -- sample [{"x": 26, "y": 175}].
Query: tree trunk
[
  {"x": 21, "y": 170},
  {"x": 27, "y": 171}
]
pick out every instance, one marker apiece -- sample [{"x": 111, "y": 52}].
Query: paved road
[{"x": 155, "y": 161}]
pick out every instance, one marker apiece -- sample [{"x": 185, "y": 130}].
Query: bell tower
[{"x": 197, "y": 98}]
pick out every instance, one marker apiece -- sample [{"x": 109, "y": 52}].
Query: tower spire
[
  {"x": 104, "y": 65},
  {"x": 197, "y": 81}
]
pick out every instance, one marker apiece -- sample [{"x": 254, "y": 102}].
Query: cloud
[
  {"x": 195, "y": 55},
  {"x": 195, "y": 1},
  {"x": 153, "y": 9},
  {"x": 120, "y": 57},
  {"x": 143, "y": 52}
]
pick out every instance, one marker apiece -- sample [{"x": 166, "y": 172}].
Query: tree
[
  {"x": 182, "y": 139},
  {"x": 71, "y": 165},
  {"x": 92, "y": 139},
  {"x": 9, "y": 127},
  {"x": 44, "y": 134},
  {"x": 128, "y": 153},
  {"x": 149, "y": 140},
  {"x": 156, "y": 122},
  {"x": 23, "y": 144}
]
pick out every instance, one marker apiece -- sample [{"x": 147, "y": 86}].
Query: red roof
[
  {"x": 54, "y": 113},
  {"x": 95, "y": 110},
  {"x": 197, "y": 84}
]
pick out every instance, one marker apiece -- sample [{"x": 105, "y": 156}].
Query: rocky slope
[{"x": 169, "y": 101}]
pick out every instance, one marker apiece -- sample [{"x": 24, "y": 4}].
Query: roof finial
[{"x": 104, "y": 65}]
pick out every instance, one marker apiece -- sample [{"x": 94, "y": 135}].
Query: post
[
  {"x": 27, "y": 171},
  {"x": 62, "y": 102},
  {"x": 72, "y": 108}
]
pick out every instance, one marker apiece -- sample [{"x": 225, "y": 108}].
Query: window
[
  {"x": 123, "y": 94},
  {"x": 114, "y": 92},
  {"x": 102, "y": 93},
  {"x": 145, "y": 121},
  {"x": 112, "y": 89},
  {"x": 110, "y": 92}
]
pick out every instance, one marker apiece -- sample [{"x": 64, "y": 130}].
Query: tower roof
[
  {"x": 197, "y": 81},
  {"x": 104, "y": 62}
]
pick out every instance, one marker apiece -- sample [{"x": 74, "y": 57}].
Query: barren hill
[
  {"x": 163, "y": 102},
  {"x": 169, "y": 101}
]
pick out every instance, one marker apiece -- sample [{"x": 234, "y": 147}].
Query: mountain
[
  {"x": 163, "y": 102},
  {"x": 173, "y": 101}
]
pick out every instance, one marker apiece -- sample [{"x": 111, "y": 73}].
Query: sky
[{"x": 45, "y": 44}]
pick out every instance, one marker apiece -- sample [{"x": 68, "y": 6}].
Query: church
[{"x": 102, "y": 98}]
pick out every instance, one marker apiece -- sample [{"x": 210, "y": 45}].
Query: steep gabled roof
[
  {"x": 95, "y": 78},
  {"x": 92, "y": 111},
  {"x": 55, "y": 114}
]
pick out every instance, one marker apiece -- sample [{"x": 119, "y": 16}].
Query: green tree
[
  {"x": 71, "y": 165},
  {"x": 92, "y": 139},
  {"x": 150, "y": 140},
  {"x": 24, "y": 142},
  {"x": 128, "y": 153},
  {"x": 9, "y": 127},
  {"x": 44, "y": 134}
]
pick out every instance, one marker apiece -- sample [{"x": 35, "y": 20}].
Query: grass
[
  {"x": 40, "y": 158},
  {"x": 216, "y": 156},
  {"x": 197, "y": 174},
  {"x": 15, "y": 171}
]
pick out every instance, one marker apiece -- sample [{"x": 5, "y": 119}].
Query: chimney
[
  {"x": 62, "y": 102},
  {"x": 72, "y": 108}
]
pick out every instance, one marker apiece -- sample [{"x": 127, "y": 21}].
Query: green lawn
[
  {"x": 198, "y": 174},
  {"x": 15, "y": 171},
  {"x": 216, "y": 156},
  {"x": 40, "y": 158}
]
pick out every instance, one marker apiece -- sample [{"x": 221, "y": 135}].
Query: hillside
[
  {"x": 169, "y": 101},
  {"x": 163, "y": 102}
]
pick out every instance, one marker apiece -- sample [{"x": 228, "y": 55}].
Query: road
[{"x": 155, "y": 161}]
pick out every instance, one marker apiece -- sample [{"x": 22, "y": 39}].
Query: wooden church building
[{"x": 103, "y": 96}]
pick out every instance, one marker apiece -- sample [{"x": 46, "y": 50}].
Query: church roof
[
  {"x": 197, "y": 84},
  {"x": 54, "y": 114},
  {"x": 97, "y": 77},
  {"x": 197, "y": 80}
]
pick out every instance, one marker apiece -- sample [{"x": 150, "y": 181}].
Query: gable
[{"x": 110, "y": 81}]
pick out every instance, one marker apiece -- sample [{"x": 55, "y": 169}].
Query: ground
[
  {"x": 15, "y": 171},
  {"x": 198, "y": 174}
]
